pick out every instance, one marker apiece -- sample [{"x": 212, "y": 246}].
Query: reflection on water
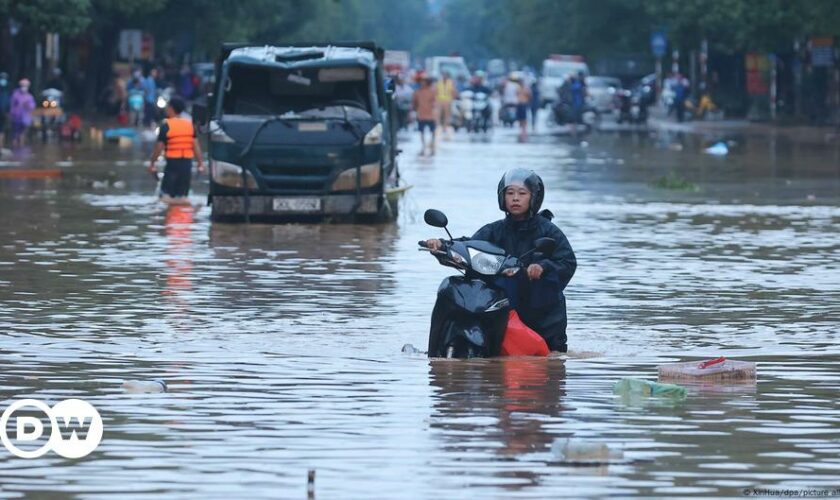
[
  {"x": 497, "y": 408},
  {"x": 280, "y": 344},
  {"x": 179, "y": 255},
  {"x": 513, "y": 394}
]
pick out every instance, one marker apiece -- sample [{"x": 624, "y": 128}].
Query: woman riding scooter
[{"x": 537, "y": 294}]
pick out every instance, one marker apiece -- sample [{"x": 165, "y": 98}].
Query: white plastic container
[{"x": 718, "y": 370}]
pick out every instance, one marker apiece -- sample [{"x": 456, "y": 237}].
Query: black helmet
[{"x": 522, "y": 177}]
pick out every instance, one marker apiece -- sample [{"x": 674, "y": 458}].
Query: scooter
[
  {"x": 470, "y": 317},
  {"x": 52, "y": 112},
  {"x": 462, "y": 111},
  {"x": 164, "y": 95},
  {"x": 632, "y": 107},
  {"x": 562, "y": 114},
  {"x": 481, "y": 118},
  {"x": 507, "y": 114}
]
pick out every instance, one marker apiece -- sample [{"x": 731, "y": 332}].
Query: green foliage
[
  {"x": 528, "y": 30},
  {"x": 60, "y": 16},
  {"x": 675, "y": 182}
]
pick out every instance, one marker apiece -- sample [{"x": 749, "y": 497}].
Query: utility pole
[
  {"x": 773, "y": 90},
  {"x": 797, "y": 79}
]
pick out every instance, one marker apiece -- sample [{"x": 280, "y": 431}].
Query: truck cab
[{"x": 301, "y": 132}]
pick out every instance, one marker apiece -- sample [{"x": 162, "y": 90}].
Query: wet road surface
[{"x": 281, "y": 343}]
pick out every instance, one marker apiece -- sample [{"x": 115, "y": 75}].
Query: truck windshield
[{"x": 305, "y": 93}]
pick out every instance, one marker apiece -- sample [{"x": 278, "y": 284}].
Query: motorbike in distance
[
  {"x": 470, "y": 317},
  {"x": 507, "y": 114},
  {"x": 480, "y": 118},
  {"x": 563, "y": 114},
  {"x": 51, "y": 112},
  {"x": 632, "y": 107}
]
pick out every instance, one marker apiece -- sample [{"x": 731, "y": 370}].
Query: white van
[
  {"x": 455, "y": 66},
  {"x": 555, "y": 70}
]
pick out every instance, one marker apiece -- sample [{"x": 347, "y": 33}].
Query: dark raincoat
[{"x": 540, "y": 303}]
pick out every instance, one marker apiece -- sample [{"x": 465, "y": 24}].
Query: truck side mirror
[{"x": 200, "y": 113}]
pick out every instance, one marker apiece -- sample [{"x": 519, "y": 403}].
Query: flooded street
[{"x": 281, "y": 344}]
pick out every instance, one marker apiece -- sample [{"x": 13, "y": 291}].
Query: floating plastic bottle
[
  {"x": 718, "y": 149},
  {"x": 144, "y": 386},
  {"x": 717, "y": 369},
  {"x": 579, "y": 451},
  {"x": 645, "y": 388}
]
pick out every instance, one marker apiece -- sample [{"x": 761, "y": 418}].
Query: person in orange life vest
[{"x": 177, "y": 137}]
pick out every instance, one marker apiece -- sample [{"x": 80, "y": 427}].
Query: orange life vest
[{"x": 179, "y": 138}]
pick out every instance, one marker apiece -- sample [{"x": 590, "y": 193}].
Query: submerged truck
[{"x": 301, "y": 131}]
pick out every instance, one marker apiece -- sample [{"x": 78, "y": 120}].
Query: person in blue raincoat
[{"x": 536, "y": 294}]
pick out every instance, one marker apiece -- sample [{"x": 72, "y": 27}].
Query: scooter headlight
[
  {"x": 161, "y": 102},
  {"x": 485, "y": 263}
]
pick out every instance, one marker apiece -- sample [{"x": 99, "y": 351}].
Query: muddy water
[{"x": 281, "y": 344}]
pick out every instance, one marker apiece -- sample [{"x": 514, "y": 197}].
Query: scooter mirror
[
  {"x": 435, "y": 218},
  {"x": 546, "y": 245}
]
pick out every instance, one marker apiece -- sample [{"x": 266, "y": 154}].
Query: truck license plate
[{"x": 297, "y": 204}]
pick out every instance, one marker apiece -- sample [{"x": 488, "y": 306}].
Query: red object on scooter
[{"x": 520, "y": 340}]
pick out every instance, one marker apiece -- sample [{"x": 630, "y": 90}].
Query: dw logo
[{"x": 75, "y": 428}]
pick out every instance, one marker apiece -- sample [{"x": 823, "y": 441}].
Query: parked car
[{"x": 602, "y": 91}]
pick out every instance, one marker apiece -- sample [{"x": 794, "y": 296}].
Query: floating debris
[
  {"x": 410, "y": 349},
  {"x": 717, "y": 149},
  {"x": 718, "y": 369},
  {"x": 144, "y": 386},
  {"x": 310, "y": 484},
  {"x": 673, "y": 181},
  {"x": 573, "y": 451},
  {"x": 634, "y": 387}
]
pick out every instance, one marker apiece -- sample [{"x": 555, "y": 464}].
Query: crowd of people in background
[
  {"x": 134, "y": 99},
  {"x": 131, "y": 99},
  {"x": 426, "y": 101}
]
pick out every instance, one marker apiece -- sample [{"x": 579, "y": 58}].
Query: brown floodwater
[{"x": 281, "y": 344}]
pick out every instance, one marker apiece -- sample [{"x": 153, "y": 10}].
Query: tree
[{"x": 66, "y": 17}]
